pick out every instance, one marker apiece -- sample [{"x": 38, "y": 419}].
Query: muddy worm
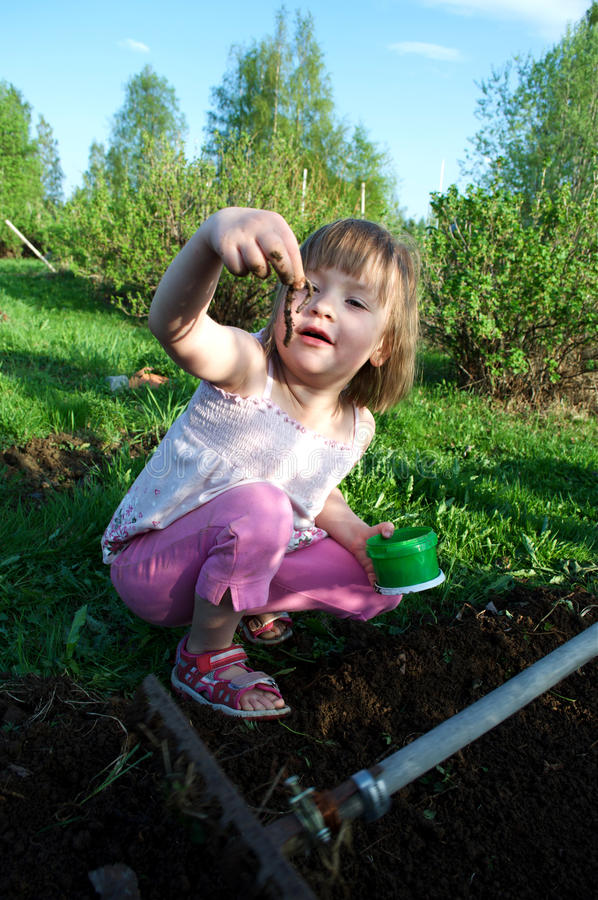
[{"x": 288, "y": 319}]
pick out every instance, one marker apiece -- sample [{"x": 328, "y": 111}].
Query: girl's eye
[{"x": 356, "y": 303}]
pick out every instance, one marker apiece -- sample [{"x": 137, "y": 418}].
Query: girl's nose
[{"x": 322, "y": 305}]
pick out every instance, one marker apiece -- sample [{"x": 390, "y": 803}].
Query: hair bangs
[{"x": 358, "y": 248}]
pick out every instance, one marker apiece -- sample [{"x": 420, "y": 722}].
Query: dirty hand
[{"x": 253, "y": 240}]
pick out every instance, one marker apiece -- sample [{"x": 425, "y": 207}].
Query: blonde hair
[{"x": 363, "y": 249}]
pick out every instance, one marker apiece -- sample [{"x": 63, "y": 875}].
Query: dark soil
[
  {"x": 514, "y": 815},
  {"x": 58, "y": 462}
]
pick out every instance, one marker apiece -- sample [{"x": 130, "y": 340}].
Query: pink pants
[{"x": 238, "y": 541}]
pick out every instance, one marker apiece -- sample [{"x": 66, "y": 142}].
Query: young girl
[{"x": 237, "y": 517}]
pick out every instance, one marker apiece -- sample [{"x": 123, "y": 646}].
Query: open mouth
[{"x": 316, "y": 336}]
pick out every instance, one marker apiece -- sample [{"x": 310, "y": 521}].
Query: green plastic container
[{"x": 405, "y": 562}]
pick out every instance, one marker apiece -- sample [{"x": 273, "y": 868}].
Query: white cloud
[
  {"x": 431, "y": 51},
  {"x": 135, "y": 46},
  {"x": 549, "y": 17}
]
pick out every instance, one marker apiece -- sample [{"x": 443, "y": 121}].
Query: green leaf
[{"x": 77, "y": 624}]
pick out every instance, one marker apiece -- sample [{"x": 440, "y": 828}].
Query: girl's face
[{"x": 339, "y": 329}]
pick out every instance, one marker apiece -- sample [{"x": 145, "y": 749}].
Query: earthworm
[{"x": 288, "y": 319}]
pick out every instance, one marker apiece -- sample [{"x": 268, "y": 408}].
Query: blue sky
[{"x": 405, "y": 69}]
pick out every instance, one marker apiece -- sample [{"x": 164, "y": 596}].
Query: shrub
[
  {"x": 511, "y": 292},
  {"x": 124, "y": 237},
  {"x": 270, "y": 180}
]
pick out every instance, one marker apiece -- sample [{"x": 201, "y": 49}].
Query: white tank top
[{"x": 222, "y": 441}]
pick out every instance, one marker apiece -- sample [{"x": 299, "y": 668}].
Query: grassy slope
[{"x": 511, "y": 495}]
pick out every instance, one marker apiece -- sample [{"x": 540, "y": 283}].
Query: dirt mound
[
  {"x": 87, "y": 782},
  {"x": 59, "y": 462}
]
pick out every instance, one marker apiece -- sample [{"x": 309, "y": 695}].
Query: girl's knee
[
  {"x": 264, "y": 517},
  {"x": 263, "y": 496}
]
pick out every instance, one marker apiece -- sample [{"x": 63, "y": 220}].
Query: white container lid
[{"x": 413, "y": 588}]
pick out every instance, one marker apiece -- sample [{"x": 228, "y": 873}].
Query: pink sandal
[
  {"x": 198, "y": 677},
  {"x": 254, "y": 635}
]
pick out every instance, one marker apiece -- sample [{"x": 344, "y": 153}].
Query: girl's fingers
[
  {"x": 281, "y": 264},
  {"x": 280, "y": 247},
  {"x": 249, "y": 255},
  {"x": 249, "y": 240},
  {"x": 288, "y": 266},
  {"x": 254, "y": 260},
  {"x": 233, "y": 258},
  {"x": 296, "y": 275}
]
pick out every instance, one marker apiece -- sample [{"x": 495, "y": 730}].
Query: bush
[
  {"x": 270, "y": 180},
  {"x": 511, "y": 292},
  {"x": 124, "y": 237}
]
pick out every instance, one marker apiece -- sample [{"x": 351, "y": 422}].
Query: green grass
[
  {"x": 511, "y": 495},
  {"x": 58, "y": 347}
]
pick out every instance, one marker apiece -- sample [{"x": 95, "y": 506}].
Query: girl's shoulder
[
  {"x": 366, "y": 427},
  {"x": 365, "y": 416},
  {"x": 249, "y": 372}
]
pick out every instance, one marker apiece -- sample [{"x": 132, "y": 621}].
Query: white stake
[
  {"x": 29, "y": 244},
  {"x": 303, "y": 190}
]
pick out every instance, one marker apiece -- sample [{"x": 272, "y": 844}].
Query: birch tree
[
  {"x": 540, "y": 118},
  {"x": 278, "y": 87}
]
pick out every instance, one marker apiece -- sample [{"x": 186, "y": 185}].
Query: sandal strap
[
  {"x": 218, "y": 659},
  {"x": 230, "y": 693},
  {"x": 268, "y": 620},
  {"x": 251, "y": 678},
  {"x": 271, "y": 618},
  {"x": 266, "y": 623}
]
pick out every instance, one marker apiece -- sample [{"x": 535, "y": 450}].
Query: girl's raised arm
[{"x": 245, "y": 241}]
